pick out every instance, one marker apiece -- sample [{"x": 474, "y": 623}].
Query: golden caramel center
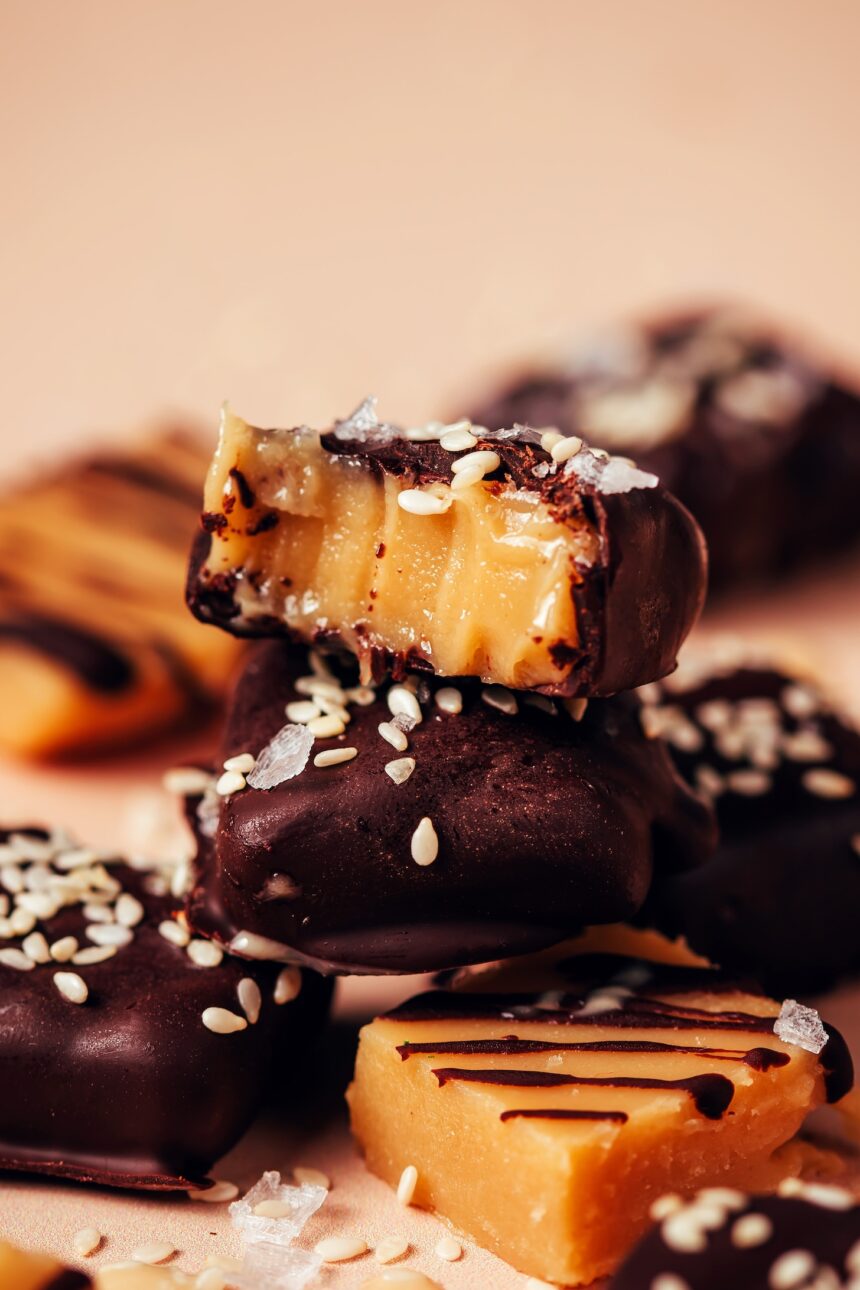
[{"x": 479, "y": 585}]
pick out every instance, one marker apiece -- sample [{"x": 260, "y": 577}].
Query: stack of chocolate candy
[{"x": 436, "y": 760}]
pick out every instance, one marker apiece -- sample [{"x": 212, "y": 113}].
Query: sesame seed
[
  {"x": 97, "y": 913},
  {"x": 449, "y": 699},
  {"x": 424, "y": 434},
  {"x": 791, "y": 1269},
  {"x": 87, "y": 1241},
  {"x": 223, "y": 1022},
  {"x": 305, "y": 1174},
  {"x": 823, "y": 782},
  {"x": 335, "y": 756},
  {"x": 665, "y": 1205},
  {"x": 417, "y": 502},
  {"x": 63, "y": 949},
  {"x": 326, "y": 727},
  {"x": 230, "y": 782},
  {"x": 129, "y": 911},
  {"x": 425, "y": 843},
  {"x": 407, "y": 1184},
  {"x": 748, "y": 783},
  {"x": 806, "y": 745},
  {"x": 244, "y": 763},
  {"x": 272, "y": 1209},
  {"x": 799, "y": 701},
  {"x": 458, "y": 437},
  {"x": 17, "y": 959},
  {"x": 751, "y": 1230},
  {"x": 403, "y": 703},
  {"x": 726, "y": 1197},
  {"x": 71, "y": 986},
  {"x": 210, "y": 1279},
  {"x": 393, "y": 736},
  {"x": 669, "y": 1281},
  {"x": 549, "y": 438},
  {"x": 682, "y": 1232},
  {"x": 485, "y": 461},
  {"x": 501, "y": 698},
  {"x": 448, "y": 1249},
  {"x": 174, "y": 932},
  {"x": 467, "y": 479},
  {"x": 36, "y": 948},
  {"x": 362, "y": 695},
  {"x": 249, "y": 945},
  {"x": 390, "y": 1248},
  {"x": 288, "y": 985},
  {"x": 184, "y": 781},
  {"x": 250, "y": 998},
  {"x": 564, "y": 449},
  {"x": 153, "y": 1252},
  {"x": 575, "y": 708},
  {"x": 12, "y": 878},
  {"x": 301, "y": 711},
  {"x": 93, "y": 954},
  {"x": 401, "y": 769},
  {"x": 317, "y": 687},
  {"x": 204, "y": 953},
  {"x": 217, "y": 1194},
  {"x": 109, "y": 934},
  {"x": 338, "y": 1249},
  {"x": 601, "y": 454},
  {"x": 22, "y": 921},
  {"x": 828, "y": 1197}
]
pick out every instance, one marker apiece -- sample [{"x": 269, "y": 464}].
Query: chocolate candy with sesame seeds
[
  {"x": 448, "y": 551},
  {"x": 516, "y": 824},
  {"x": 779, "y": 897},
  {"x": 129, "y": 1078},
  {"x": 724, "y": 1237},
  {"x": 761, "y": 446}
]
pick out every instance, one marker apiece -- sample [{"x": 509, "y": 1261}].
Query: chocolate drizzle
[
  {"x": 562, "y": 1113},
  {"x": 711, "y": 1093},
  {"x": 759, "y": 1059}
]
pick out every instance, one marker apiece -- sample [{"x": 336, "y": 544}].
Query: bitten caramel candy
[
  {"x": 96, "y": 646},
  {"x": 722, "y": 1237},
  {"x": 406, "y": 829},
  {"x": 26, "y": 1270},
  {"x": 779, "y": 898},
  {"x": 545, "y": 1105},
  {"x": 759, "y": 443},
  {"x": 449, "y": 550},
  {"x": 131, "y": 1054}
]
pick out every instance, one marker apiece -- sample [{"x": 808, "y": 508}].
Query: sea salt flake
[
  {"x": 800, "y": 1026},
  {"x": 284, "y": 756},
  {"x": 276, "y": 1267},
  {"x": 363, "y": 424},
  {"x": 616, "y": 475},
  {"x": 404, "y": 723},
  {"x": 300, "y": 1202}
]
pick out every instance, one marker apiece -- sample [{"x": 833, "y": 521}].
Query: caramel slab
[
  {"x": 577, "y": 578},
  {"x": 96, "y": 648},
  {"x": 545, "y": 1122},
  {"x": 762, "y": 444},
  {"x": 30, "y": 1270},
  {"x": 154, "y": 1073},
  {"x": 543, "y": 822}
]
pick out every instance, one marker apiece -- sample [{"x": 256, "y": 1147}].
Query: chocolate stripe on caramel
[
  {"x": 559, "y": 1113},
  {"x": 759, "y": 1059},
  {"x": 91, "y": 657},
  {"x": 711, "y": 1094}
]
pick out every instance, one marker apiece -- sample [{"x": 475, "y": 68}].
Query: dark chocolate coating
[
  {"x": 635, "y": 604},
  {"x": 768, "y": 497},
  {"x": 779, "y": 898},
  {"x": 130, "y": 1089},
  {"x": 544, "y": 825},
  {"x": 796, "y": 1224}
]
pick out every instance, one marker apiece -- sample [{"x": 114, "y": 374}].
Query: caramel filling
[
  {"x": 322, "y": 543},
  {"x": 547, "y": 1131}
]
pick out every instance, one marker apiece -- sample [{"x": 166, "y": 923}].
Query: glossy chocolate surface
[
  {"x": 779, "y": 898},
  {"x": 749, "y": 1242},
  {"x": 763, "y": 450},
  {"x": 130, "y": 1088},
  {"x": 545, "y": 824}
]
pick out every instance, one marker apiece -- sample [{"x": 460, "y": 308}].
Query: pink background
[{"x": 292, "y": 205}]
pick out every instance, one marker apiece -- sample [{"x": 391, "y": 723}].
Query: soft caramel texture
[
  {"x": 481, "y": 590},
  {"x": 96, "y": 646},
  {"x": 25, "y": 1270},
  {"x": 564, "y": 1198}
]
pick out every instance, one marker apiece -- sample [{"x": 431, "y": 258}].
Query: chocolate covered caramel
[{"x": 451, "y": 550}]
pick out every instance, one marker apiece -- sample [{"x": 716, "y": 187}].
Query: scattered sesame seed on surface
[
  {"x": 400, "y": 770},
  {"x": 407, "y": 1184},
  {"x": 242, "y": 762},
  {"x": 204, "y": 953},
  {"x": 250, "y": 998},
  {"x": 448, "y": 1249},
  {"x": 153, "y": 1252},
  {"x": 230, "y": 782},
  {"x": 338, "y": 1249},
  {"x": 313, "y": 1177},
  {"x": 425, "y": 843},
  {"x": 334, "y": 756},
  {"x": 86, "y": 1241},
  {"x": 417, "y": 502},
  {"x": 223, "y": 1022},
  {"x": 71, "y": 986},
  {"x": 390, "y": 1248},
  {"x": 288, "y": 985},
  {"x": 220, "y": 1192},
  {"x": 823, "y": 782}
]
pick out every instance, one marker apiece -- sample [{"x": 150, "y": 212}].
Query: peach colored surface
[{"x": 293, "y": 205}]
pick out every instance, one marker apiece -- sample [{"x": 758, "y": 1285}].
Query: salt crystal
[
  {"x": 517, "y": 432},
  {"x": 284, "y": 756},
  {"x": 404, "y": 723},
  {"x": 363, "y": 424},
  {"x": 270, "y": 1258},
  {"x": 616, "y": 475},
  {"x": 300, "y": 1202},
  {"x": 800, "y": 1026}
]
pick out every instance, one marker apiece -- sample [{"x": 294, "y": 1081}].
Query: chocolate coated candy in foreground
[
  {"x": 96, "y": 648},
  {"x": 140, "y": 1070},
  {"x": 779, "y": 898},
  {"x": 465, "y": 555},
  {"x": 544, "y": 823},
  {"x": 764, "y": 450},
  {"x": 590, "y": 1085},
  {"x": 724, "y": 1238}
]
